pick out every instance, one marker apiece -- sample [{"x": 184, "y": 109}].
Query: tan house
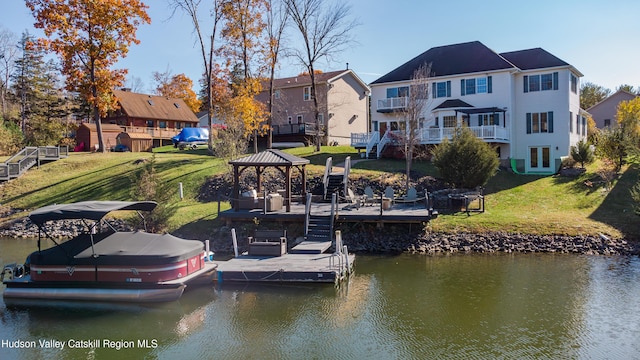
[
  {"x": 604, "y": 112},
  {"x": 343, "y": 101},
  {"x": 158, "y": 116}
]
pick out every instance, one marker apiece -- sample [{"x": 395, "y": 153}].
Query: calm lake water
[{"x": 518, "y": 306}]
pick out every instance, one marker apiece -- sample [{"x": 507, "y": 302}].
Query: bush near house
[{"x": 465, "y": 161}]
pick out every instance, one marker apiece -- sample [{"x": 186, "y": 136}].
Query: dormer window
[
  {"x": 176, "y": 105},
  {"x": 150, "y": 102}
]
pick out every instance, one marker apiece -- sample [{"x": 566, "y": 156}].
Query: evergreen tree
[
  {"x": 37, "y": 89},
  {"x": 582, "y": 153},
  {"x": 465, "y": 161}
]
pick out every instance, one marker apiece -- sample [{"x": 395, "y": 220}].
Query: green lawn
[{"x": 515, "y": 203}]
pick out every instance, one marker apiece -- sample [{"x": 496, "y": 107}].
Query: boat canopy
[{"x": 92, "y": 210}]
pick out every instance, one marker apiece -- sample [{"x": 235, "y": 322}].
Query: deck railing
[
  {"x": 489, "y": 132},
  {"x": 154, "y": 132},
  {"x": 390, "y": 104},
  {"x": 28, "y": 157}
]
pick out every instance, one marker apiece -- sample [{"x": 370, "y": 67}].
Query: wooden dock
[{"x": 398, "y": 213}]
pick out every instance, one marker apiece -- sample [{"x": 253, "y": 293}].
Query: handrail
[
  {"x": 307, "y": 214},
  {"x": 373, "y": 140},
  {"x": 334, "y": 213},
  {"x": 345, "y": 176},
  {"x": 385, "y": 139},
  {"x": 327, "y": 171}
]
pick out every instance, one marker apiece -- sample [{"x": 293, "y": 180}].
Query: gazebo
[{"x": 269, "y": 158}]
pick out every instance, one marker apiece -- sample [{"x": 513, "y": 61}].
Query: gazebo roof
[{"x": 271, "y": 157}]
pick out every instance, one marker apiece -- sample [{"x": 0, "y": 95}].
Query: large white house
[{"x": 526, "y": 103}]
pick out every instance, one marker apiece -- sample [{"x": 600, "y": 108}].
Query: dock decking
[
  {"x": 296, "y": 267},
  {"x": 398, "y": 213}
]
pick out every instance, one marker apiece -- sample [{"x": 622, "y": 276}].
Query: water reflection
[{"x": 413, "y": 307}]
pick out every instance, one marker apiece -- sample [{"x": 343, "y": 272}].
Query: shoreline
[{"x": 370, "y": 240}]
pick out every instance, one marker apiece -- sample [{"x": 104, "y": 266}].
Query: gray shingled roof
[
  {"x": 447, "y": 60},
  {"x": 454, "y": 103},
  {"x": 533, "y": 59},
  {"x": 271, "y": 157}
]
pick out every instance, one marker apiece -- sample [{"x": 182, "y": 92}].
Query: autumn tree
[
  {"x": 325, "y": 29},
  {"x": 277, "y": 18},
  {"x": 194, "y": 11},
  {"x": 177, "y": 87},
  {"x": 628, "y": 117},
  {"x": 243, "y": 32},
  {"x": 591, "y": 94},
  {"x": 90, "y": 36}
]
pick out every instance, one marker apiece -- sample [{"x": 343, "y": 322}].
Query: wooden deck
[
  {"x": 324, "y": 268},
  {"x": 398, "y": 213}
]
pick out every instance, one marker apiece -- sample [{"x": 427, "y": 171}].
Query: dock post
[{"x": 235, "y": 241}]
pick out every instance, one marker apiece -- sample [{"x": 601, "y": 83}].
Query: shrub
[
  {"x": 582, "y": 153},
  {"x": 147, "y": 185},
  {"x": 465, "y": 161},
  {"x": 11, "y": 136}
]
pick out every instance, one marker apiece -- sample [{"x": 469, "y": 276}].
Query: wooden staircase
[
  {"x": 28, "y": 157},
  {"x": 318, "y": 230}
]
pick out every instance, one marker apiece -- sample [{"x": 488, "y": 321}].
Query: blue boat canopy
[{"x": 92, "y": 210}]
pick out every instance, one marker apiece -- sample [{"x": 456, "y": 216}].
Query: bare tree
[
  {"x": 413, "y": 114},
  {"x": 135, "y": 84},
  {"x": 326, "y": 31},
  {"x": 192, "y": 8},
  {"x": 8, "y": 53},
  {"x": 277, "y": 18}
]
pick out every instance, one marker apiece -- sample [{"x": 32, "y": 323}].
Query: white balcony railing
[
  {"x": 489, "y": 132},
  {"x": 436, "y": 135},
  {"x": 391, "y": 104}
]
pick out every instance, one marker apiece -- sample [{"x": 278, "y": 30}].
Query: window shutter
[
  {"x": 462, "y": 87},
  {"x": 449, "y": 88},
  {"x": 434, "y": 90},
  {"x": 528, "y": 123},
  {"x": 526, "y": 83},
  {"x": 550, "y": 120},
  {"x": 555, "y": 80},
  {"x": 489, "y": 85}
]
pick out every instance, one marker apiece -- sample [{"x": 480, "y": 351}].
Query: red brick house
[{"x": 159, "y": 116}]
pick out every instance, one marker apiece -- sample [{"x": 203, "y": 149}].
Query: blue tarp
[{"x": 191, "y": 137}]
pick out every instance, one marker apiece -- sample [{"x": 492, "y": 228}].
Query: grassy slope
[{"x": 529, "y": 204}]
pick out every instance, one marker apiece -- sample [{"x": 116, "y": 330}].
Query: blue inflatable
[{"x": 191, "y": 138}]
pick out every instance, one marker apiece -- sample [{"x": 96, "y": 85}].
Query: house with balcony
[
  {"x": 526, "y": 103},
  {"x": 159, "y": 117},
  {"x": 343, "y": 101}
]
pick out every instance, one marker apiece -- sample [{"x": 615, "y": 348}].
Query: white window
[
  {"x": 541, "y": 82},
  {"x": 540, "y": 122},
  {"x": 449, "y": 121},
  {"x": 321, "y": 118},
  {"x": 481, "y": 85},
  {"x": 306, "y": 93},
  {"x": 299, "y": 119}
]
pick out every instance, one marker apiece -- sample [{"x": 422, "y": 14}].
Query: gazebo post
[
  {"x": 304, "y": 181},
  {"x": 259, "y": 179},
  {"x": 288, "y": 190},
  {"x": 236, "y": 188}
]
